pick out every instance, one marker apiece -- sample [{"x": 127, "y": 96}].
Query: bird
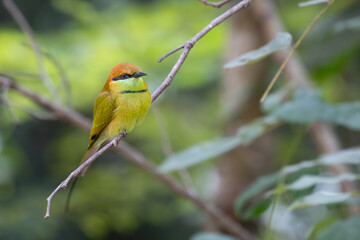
[{"x": 122, "y": 104}]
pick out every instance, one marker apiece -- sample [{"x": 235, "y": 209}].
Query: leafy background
[{"x": 116, "y": 200}]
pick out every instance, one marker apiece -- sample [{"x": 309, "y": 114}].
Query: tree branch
[
  {"x": 77, "y": 171},
  {"x": 26, "y": 28},
  {"x": 134, "y": 156},
  {"x": 66, "y": 115},
  {"x": 215, "y": 4},
  {"x": 189, "y": 44},
  {"x": 7, "y": 104}
]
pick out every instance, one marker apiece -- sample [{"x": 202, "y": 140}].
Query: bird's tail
[{"x": 91, "y": 151}]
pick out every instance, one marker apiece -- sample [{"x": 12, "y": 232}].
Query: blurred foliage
[
  {"x": 198, "y": 153},
  {"x": 117, "y": 200},
  {"x": 344, "y": 229},
  {"x": 280, "y": 41},
  {"x": 211, "y": 236},
  {"x": 91, "y": 37}
]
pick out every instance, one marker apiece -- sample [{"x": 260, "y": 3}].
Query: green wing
[{"x": 103, "y": 113}]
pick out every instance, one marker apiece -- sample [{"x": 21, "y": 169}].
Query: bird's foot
[{"x": 118, "y": 137}]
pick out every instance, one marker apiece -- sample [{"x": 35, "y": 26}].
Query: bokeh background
[{"x": 117, "y": 200}]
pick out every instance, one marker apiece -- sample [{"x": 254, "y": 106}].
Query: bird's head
[{"x": 123, "y": 72}]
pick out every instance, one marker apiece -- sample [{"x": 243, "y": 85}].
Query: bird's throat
[{"x": 129, "y": 86}]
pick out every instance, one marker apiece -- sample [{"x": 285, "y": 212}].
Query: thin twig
[
  {"x": 136, "y": 157},
  {"x": 5, "y": 100},
  {"x": 167, "y": 150},
  {"x": 297, "y": 44},
  {"x": 189, "y": 44},
  {"x": 20, "y": 74},
  {"x": 225, "y": 221},
  {"x": 163, "y": 131},
  {"x": 66, "y": 115},
  {"x": 43, "y": 116},
  {"x": 171, "y": 52},
  {"x": 25, "y": 26},
  {"x": 215, "y": 4},
  {"x": 62, "y": 74},
  {"x": 63, "y": 77},
  {"x": 77, "y": 171},
  {"x": 322, "y": 134}
]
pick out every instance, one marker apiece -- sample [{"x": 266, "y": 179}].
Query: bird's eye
[{"x": 124, "y": 76}]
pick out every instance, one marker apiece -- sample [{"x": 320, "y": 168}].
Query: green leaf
[
  {"x": 256, "y": 209},
  {"x": 211, "y": 236},
  {"x": 253, "y": 190},
  {"x": 320, "y": 226},
  {"x": 351, "y": 24},
  {"x": 307, "y": 181},
  {"x": 321, "y": 198},
  {"x": 307, "y": 107},
  {"x": 344, "y": 229},
  {"x": 312, "y": 2},
  {"x": 348, "y": 156},
  {"x": 210, "y": 149},
  {"x": 281, "y": 40},
  {"x": 199, "y": 153},
  {"x": 273, "y": 100},
  {"x": 248, "y": 133}
]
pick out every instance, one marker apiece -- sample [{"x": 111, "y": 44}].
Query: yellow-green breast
[{"x": 132, "y": 101}]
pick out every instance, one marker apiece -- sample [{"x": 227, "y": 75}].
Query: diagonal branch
[
  {"x": 71, "y": 116},
  {"x": 215, "y": 4},
  {"x": 5, "y": 100},
  {"x": 189, "y": 44},
  {"x": 134, "y": 156},
  {"x": 25, "y": 26},
  {"x": 66, "y": 115},
  {"x": 77, "y": 171}
]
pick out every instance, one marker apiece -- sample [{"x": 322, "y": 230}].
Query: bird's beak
[{"x": 139, "y": 74}]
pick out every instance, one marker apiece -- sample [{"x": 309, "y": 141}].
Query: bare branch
[
  {"x": 62, "y": 74},
  {"x": 63, "y": 77},
  {"x": 215, "y": 4},
  {"x": 171, "y": 52},
  {"x": 134, "y": 156},
  {"x": 212, "y": 210},
  {"x": 219, "y": 216},
  {"x": 77, "y": 171},
  {"x": 5, "y": 100},
  {"x": 189, "y": 44},
  {"x": 43, "y": 116},
  {"x": 25, "y": 26}
]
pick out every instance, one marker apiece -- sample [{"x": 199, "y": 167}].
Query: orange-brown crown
[{"x": 118, "y": 69}]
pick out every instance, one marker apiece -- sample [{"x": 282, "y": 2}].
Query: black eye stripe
[{"x": 122, "y": 76}]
